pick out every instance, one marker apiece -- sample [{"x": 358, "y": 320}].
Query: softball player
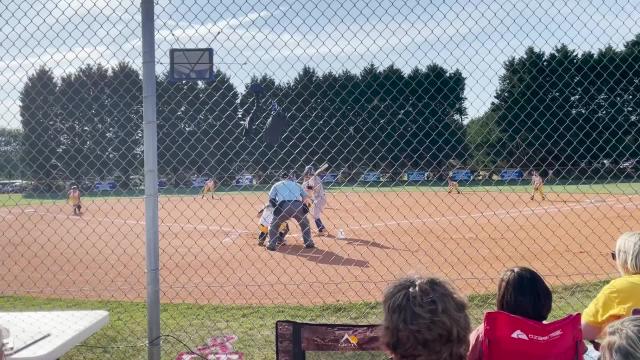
[
  {"x": 538, "y": 185},
  {"x": 453, "y": 186},
  {"x": 209, "y": 187},
  {"x": 313, "y": 185},
  {"x": 266, "y": 217},
  {"x": 74, "y": 199}
]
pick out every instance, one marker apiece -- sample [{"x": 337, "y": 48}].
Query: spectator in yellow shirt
[{"x": 620, "y": 296}]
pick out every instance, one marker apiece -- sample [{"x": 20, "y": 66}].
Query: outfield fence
[{"x": 394, "y": 97}]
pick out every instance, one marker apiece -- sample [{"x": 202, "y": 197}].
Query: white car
[{"x": 628, "y": 164}]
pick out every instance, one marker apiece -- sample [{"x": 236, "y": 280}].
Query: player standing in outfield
[
  {"x": 453, "y": 186},
  {"x": 209, "y": 187},
  {"x": 74, "y": 199},
  {"x": 313, "y": 186},
  {"x": 538, "y": 185}
]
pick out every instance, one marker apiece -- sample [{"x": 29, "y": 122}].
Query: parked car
[
  {"x": 13, "y": 186},
  {"x": 628, "y": 164}
]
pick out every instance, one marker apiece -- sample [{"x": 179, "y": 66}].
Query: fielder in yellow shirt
[
  {"x": 74, "y": 199},
  {"x": 209, "y": 187},
  {"x": 453, "y": 186},
  {"x": 538, "y": 185}
]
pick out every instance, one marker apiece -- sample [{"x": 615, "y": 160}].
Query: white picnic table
[{"x": 47, "y": 335}]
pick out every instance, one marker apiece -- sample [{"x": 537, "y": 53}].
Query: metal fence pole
[{"x": 151, "y": 178}]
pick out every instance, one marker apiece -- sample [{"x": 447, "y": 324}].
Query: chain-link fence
[{"x": 398, "y": 99}]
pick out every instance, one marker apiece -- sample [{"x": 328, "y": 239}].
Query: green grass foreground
[{"x": 125, "y": 335}]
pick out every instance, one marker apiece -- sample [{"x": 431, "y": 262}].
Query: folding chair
[
  {"x": 507, "y": 336},
  {"x": 294, "y": 339}
]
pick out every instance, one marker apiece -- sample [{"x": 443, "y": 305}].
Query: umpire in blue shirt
[{"x": 288, "y": 197}]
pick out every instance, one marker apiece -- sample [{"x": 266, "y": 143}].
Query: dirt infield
[{"x": 209, "y": 252}]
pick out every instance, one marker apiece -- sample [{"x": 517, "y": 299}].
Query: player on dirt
[
  {"x": 453, "y": 186},
  {"x": 538, "y": 185},
  {"x": 209, "y": 187},
  {"x": 313, "y": 186},
  {"x": 73, "y": 197}
]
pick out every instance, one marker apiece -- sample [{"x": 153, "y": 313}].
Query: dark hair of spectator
[{"x": 523, "y": 292}]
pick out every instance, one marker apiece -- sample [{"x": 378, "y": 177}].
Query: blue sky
[{"x": 279, "y": 37}]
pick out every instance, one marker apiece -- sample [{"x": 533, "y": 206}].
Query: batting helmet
[{"x": 308, "y": 171}]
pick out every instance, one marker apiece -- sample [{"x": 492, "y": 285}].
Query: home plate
[
  {"x": 596, "y": 201},
  {"x": 230, "y": 237},
  {"x": 30, "y": 210}
]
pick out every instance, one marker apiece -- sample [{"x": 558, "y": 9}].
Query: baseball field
[{"x": 211, "y": 261}]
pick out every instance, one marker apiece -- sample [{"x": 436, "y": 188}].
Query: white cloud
[
  {"x": 196, "y": 33},
  {"x": 475, "y": 37},
  {"x": 94, "y": 7}
]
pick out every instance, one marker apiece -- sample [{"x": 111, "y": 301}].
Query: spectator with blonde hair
[
  {"x": 424, "y": 319},
  {"x": 620, "y": 296},
  {"x": 622, "y": 340}
]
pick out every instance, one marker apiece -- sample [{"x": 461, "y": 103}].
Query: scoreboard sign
[
  {"x": 416, "y": 175},
  {"x": 462, "y": 175},
  {"x": 198, "y": 182},
  {"x": 105, "y": 185},
  {"x": 371, "y": 177},
  {"x": 511, "y": 174},
  {"x": 244, "y": 180}
]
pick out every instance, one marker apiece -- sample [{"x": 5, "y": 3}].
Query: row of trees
[
  {"x": 378, "y": 119},
  {"x": 562, "y": 109},
  {"x": 556, "y": 109},
  {"x": 86, "y": 124},
  {"x": 10, "y": 153},
  {"x": 89, "y": 123}
]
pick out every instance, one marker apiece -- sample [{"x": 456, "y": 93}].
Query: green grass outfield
[
  {"x": 125, "y": 335},
  {"x": 607, "y": 188}
]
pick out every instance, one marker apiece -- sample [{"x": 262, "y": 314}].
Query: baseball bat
[{"x": 322, "y": 168}]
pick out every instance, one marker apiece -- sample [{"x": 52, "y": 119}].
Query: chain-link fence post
[{"x": 151, "y": 178}]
